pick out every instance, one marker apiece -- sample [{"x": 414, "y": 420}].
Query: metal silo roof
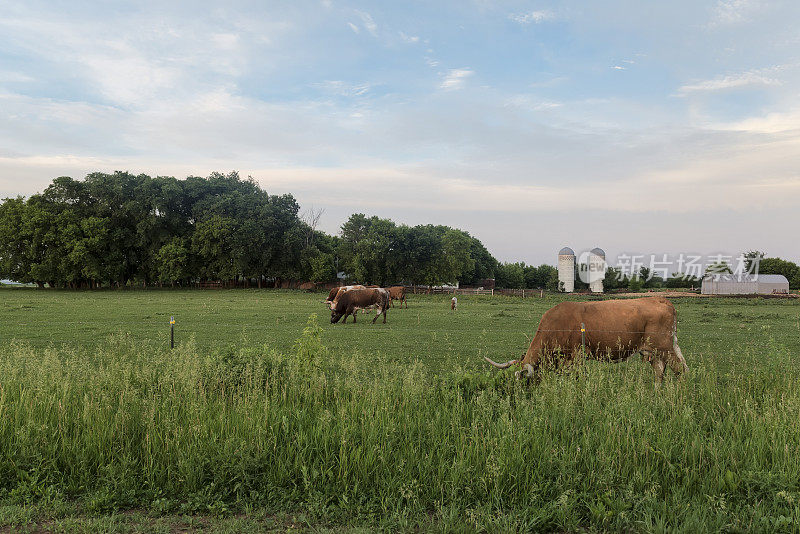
[
  {"x": 566, "y": 251},
  {"x": 599, "y": 252}
]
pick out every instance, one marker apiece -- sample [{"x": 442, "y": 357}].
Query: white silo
[
  {"x": 597, "y": 270},
  {"x": 566, "y": 270}
]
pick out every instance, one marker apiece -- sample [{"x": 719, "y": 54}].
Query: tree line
[{"x": 120, "y": 229}]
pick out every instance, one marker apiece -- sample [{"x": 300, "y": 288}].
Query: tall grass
[{"x": 397, "y": 446}]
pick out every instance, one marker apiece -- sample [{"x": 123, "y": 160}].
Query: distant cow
[
  {"x": 398, "y": 293},
  {"x": 348, "y": 302},
  {"x": 615, "y": 331}
]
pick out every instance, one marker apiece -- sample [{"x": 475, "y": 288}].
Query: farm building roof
[
  {"x": 746, "y": 284},
  {"x": 747, "y": 278},
  {"x": 566, "y": 251}
]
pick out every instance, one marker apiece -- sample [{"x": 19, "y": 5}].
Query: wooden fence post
[{"x": 583, "y": 339}]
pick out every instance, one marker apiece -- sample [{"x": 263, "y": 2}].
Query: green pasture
[
  {"x": 263, "y": 419},
  {"x": 428, "y": 331}
]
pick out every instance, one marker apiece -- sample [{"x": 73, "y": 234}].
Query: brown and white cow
[
  {"x": 336, "y": 291},
  {"x": 398, "y": 293},
  {"x": 615, "y": 331},
  {"x": 349, "y": 302}
]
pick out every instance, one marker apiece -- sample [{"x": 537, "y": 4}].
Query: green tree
[
  {"x": 787, "y": 268},
  {"x": 212, "y": 244},
  {"x": 172, "y": 261},
  {"x": 719, "y": 267},
  {"x": 510, "y": 275},
  {"x": 613, "y": 279}
]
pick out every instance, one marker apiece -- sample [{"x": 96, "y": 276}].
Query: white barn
[{"x": 747, "y": 284}]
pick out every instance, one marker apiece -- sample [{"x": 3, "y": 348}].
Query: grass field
[
  {"x": 294, "y": 423},
  {"x": 496, "y": 326}
]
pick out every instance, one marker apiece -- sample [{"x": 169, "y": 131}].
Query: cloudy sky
[{"x": 639, "y": 127}]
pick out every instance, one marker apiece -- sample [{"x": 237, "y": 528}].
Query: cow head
[
  {"x": 527, "y": 370},
  {"x": 335, "y": 315}
]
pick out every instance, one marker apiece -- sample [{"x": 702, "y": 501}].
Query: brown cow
[
  {"x": 398, "y": 293},
  {"x": 338, "y": 291},
  {"x": 615, "y": 331},
  {"x": 348, "y": 302}
]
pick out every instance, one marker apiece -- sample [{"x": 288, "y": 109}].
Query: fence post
[
  {"x": 492, "y": 291},
  {"x": 583, "y": 339},
  {"x": 172, "y": 332}
]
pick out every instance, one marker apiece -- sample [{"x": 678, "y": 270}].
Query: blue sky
[{"x": 640, "y": 127}]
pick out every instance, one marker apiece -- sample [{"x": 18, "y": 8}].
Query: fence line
[{"x": 524, "y": 293}]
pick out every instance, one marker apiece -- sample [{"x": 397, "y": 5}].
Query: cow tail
[{"x": 674, "y": 324}]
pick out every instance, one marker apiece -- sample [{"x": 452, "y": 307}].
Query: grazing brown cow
[
  {"x": 398, "y": 293},
  {"x": 349, "y": 302},
  {"x": 615, "y": 331},
  {"x": 337, "y": 291}
]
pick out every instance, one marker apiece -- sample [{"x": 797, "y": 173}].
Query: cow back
[
  {"x": 611, "y": 326},
  {"x": 397, "y": 292},
  {"x": 358, "y": 298}
]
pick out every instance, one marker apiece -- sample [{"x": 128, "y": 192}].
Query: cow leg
[
  {"x": 379, "y": 311},
  {"x": 657, "y": 362}
]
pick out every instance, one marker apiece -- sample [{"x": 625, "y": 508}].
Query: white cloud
[
  {"x": 456, "y": 78},
  {"x": 368, "y": 22},
  {"x": 618, "y": 67},
  {"x": 728, "y": 12},
  {"x": 728, "y": 82},
  {"x": 409, "y": 38},
  {"x": 531, "y": 17},
  {"x": 226, "y": 41},
  {"x": 14, "y": 77},
  {"x": 772, "y": 123},
  {"x": 341, "y": 88},
  {"x": 531, "y": 103},
  {"x": 353, "y": 27},
  {"x": 551, "y": 82}
]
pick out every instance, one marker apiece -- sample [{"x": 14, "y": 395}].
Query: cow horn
[{"x": 506, "y": 365}]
